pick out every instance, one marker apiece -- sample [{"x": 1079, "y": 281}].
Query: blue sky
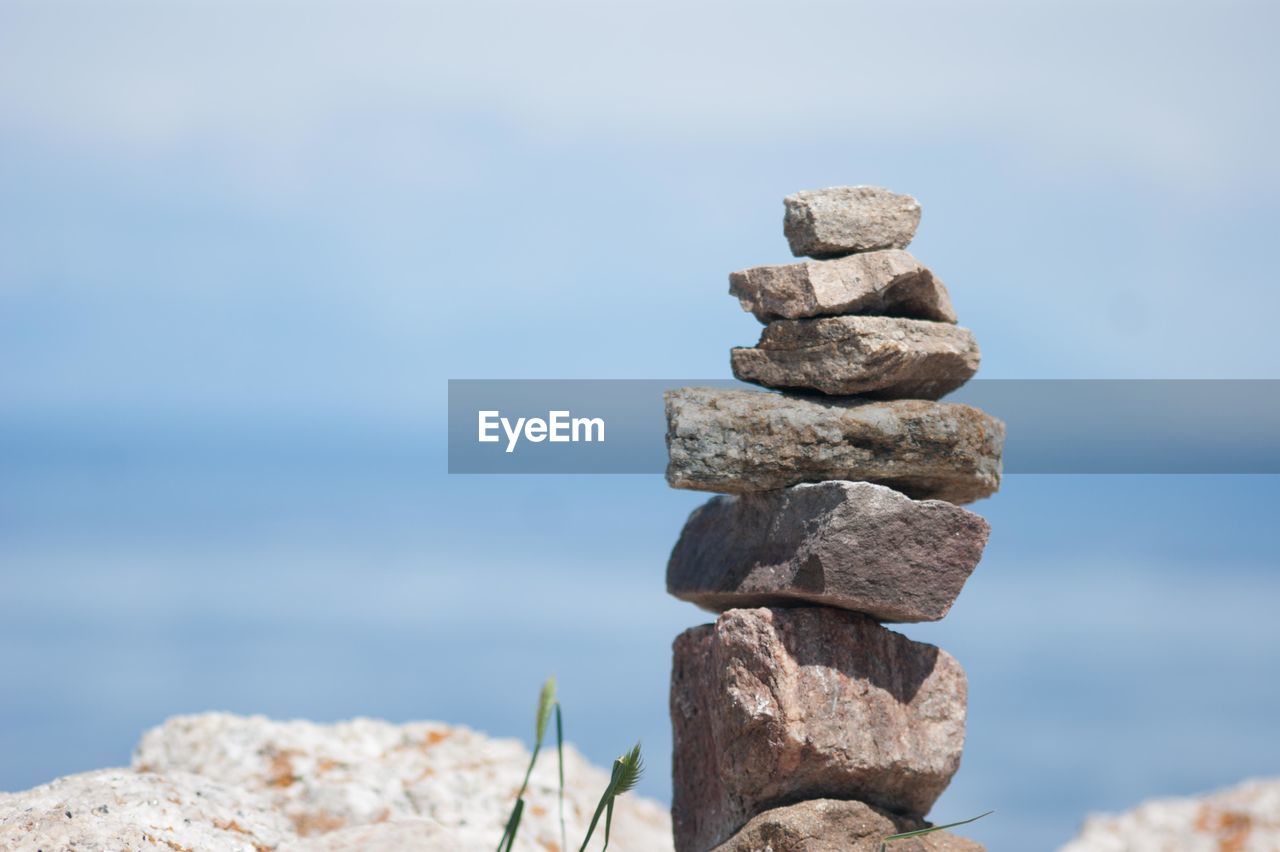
[{"x": 243, "y": 247}]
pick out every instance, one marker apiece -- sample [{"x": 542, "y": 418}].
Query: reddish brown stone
[
  {"x": 772, "y": 706},
  {"x": 851, "y": 545}
]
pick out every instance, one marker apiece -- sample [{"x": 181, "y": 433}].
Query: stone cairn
[{"x": 801, "y": 723}]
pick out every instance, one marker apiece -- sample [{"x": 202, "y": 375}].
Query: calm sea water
[{"x": 1120, "y": 635}]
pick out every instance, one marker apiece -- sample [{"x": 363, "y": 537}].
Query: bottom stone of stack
[
  {"x": 775, "y": 706},
  {"x": 832, "y": 825}
]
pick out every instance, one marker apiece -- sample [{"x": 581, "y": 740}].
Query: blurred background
[{"x": 243, "y": 247}]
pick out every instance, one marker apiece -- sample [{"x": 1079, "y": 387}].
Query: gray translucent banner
[{"x": 1054, "y": 426}]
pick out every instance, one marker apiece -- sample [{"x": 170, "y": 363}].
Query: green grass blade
[
  {"x": 605, "y": 799},
  {"x": 546, "y": 699},
  {"x": 595, "y": 818},
  {"x": 513, "y": 825},
  {"x": 545, "y": 702},
  {"x": 564, "y": 843},
  {"x": 922, "y": 831},
  {"x": 524, "y": 785},
  {"x": 632, "y": 767},
  {"x": 627, "y": 770}
]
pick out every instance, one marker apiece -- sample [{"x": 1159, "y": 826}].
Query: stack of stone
[{"x": 800, "y": 722}]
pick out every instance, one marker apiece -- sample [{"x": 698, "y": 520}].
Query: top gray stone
[{"x": 846, "y": 219}]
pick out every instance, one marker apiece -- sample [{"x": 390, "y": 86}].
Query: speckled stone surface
[
  {"x": 879, "y": 357},
  {"x": 1244, "y": 818},
  {"x": 851, "y": 545},
  {"x": 216, "y": 782},
  {"x": 844, "y": 219},
  {"x": 740, "y": 442},
  {"x": 882, "y": 283},
  {"x": 323, "y": 778},
  {"x": 118, "y": 809},
  {"x": 772, "y": 706},
  {"x": 832, "y": 825}
]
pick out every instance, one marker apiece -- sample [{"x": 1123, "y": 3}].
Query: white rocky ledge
[{"x": 216, "y": 782}]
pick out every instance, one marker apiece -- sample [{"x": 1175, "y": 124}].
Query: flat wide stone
[
  {"x": 851, "y": 545},
  {"x": 882, "y": 357},
  {"x": 886, "y": 283},
  {"x": 832, "y": 825},
  {"x": 774, "y": 706},
  {"x": 846, "y": 219},
  {"x": 746, "y": 441}
]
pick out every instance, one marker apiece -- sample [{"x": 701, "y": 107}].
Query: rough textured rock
[
  {"x": 883, "y": 357},
  {"x": 329, "y": 777},
  {"x": 884, "y": 283},
  {"x": 852, "y": 545},
  {"x": 220, "y": 782},
  {"x": 773, "y": 706},
  {"x": 1245, "y": 818},
  {"x": 404, "y": 835},
  {"x": 744, "y": 441},
  {"x": 116, "y": 809},
  {"x": 831, "y": 825},
  {"x": 846, "y": 219}
]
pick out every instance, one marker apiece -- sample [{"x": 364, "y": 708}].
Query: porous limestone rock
[
  {"x": 845, "y": 219},
  {"x": 884, "y": 283},
  {"x": 851, "y": 545},
  {"x": 881, "y": 357},
  {"x": 774, "y": 706},
  {"x": 403, "y": 835},
  {"x": 116, "y": 809},
  {"x": 832, "y": 825},
  {"x": 329, "y": 777},
  {"x": 1244, "y": 818},
  {"x": 744, "y": 441}
]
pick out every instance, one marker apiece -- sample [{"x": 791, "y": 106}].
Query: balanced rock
[
  {"x": 772, "y": 706},
  {"x": 113, "y": 809},
  {"x": 745, "y": 441},
  {"x": 833, "y": 825},
  {"x": 846, "y": 219},
  {"x": 868, "y": 356},
  {"x": 851, "y": 545},
  {"x": 884, "y": 283}
]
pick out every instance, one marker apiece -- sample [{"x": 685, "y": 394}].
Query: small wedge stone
[
  {"x": 833, "y": 825},
  {"x": 885, "y": 283},
  {"x": 851, "y": 545},
  {"x": 746, "y": 441},
  {"x": 881, "y": 357},
  {"x": 846, "y": 219},
  {"x": 770, "y": 706}
]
